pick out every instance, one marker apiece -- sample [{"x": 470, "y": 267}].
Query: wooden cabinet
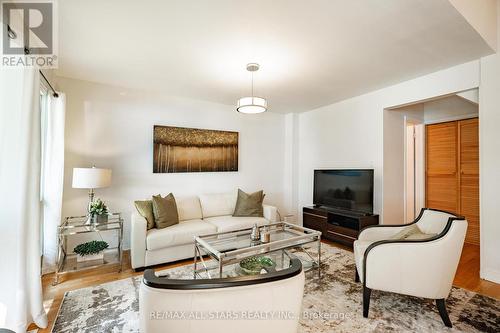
[
  {"x": 452, "y": 170},
  {"x": 338, "y": 226}
]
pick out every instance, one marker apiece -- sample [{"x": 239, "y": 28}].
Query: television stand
[
  {"x": 343, "y": 211},
  {"x": 337, "y": 225}
]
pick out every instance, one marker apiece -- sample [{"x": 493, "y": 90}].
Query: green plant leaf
[{"x": 92, "y": 247}]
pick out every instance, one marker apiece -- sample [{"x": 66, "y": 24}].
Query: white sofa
[{"x": 198, "y": 215}]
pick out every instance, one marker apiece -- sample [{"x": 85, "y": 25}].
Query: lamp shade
[
  {"x": 91, "y": 177},
  {"x": 251, "y": 105}
]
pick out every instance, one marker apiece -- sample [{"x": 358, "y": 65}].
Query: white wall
[
  {"x": 409, "y": 168},
  {"x": 448, "y": 109},
  {"x": 290, "y": 172},
  {"x": 113, "y": 128},
  {"x": 482, "y": 16},
  {"x": 350, "y": 133},
  {"x": 470, "y": 95},
  {"x": 489, "y": 164}
]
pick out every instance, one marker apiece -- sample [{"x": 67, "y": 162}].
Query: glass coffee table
[{"x": 229, "y": 248}]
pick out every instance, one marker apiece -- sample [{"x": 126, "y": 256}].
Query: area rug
[{"x": 332, "y": 303}]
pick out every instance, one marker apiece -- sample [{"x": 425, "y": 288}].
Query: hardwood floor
[{"x": 467, "y": 277}]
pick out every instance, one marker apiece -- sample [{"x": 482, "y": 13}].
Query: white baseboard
[{"x": 490, "y": 275}]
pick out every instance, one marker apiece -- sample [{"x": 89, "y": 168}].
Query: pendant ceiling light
[{"x": 252, "y": 104}]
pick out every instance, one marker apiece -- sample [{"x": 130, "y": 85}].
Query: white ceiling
[{"x": 312, "y": 52}]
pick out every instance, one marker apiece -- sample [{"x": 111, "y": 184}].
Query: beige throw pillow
[
  {"x": 249, "y": 204},
  {"x": 411, "y": 232},
  {"x": 145, "y": 209},
  {"x": 165, "y": 211}
]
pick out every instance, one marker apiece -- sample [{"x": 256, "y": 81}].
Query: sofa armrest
[
  {"x": 379, "y": 232},
  {"x": 138, "y": 231},
  {"x": 270, "y": 213}
]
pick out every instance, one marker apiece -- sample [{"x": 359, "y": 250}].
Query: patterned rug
[{"x": 331, "y": 303}]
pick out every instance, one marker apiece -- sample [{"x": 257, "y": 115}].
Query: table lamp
[{"x": 91, "y": 178}]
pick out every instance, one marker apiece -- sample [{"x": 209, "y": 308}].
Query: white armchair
[
  {"x": 417, "y": 267},
  {"x": 266, "y": 303}
]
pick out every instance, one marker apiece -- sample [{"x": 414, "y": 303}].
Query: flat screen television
[{"x": 344, "y": 189}]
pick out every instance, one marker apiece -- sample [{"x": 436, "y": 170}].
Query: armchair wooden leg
[
  {"x": 356, "y": 275},
  {"x": 366, "y": 300},
  {"x": 441, "y": 305}
]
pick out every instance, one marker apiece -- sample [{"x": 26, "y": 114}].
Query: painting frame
[{"x": 188, "y": 150}]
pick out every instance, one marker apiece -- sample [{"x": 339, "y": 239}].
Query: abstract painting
[{"x": 179, "y": 149}]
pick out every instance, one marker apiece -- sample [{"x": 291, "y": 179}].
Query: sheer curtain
[
  {"x": 20, "y": 208},
  {"x": 53, "y": 113}
]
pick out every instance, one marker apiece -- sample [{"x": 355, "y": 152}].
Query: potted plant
[
  {"x": 92, "y": 250},
  {"x": 98, "y": 212}
]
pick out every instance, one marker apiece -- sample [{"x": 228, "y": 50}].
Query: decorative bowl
[{"x": 254, "y": 265}]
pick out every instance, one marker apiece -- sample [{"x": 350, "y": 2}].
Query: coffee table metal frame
[{"x": 203, "y": 247}]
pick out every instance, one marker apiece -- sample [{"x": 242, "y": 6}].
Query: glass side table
[{"x": 76, "y": 225}]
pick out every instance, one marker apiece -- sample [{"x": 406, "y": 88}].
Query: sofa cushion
[
  {"x": 249, "y": 204},
  {"x": 145, "y": 209},
  {"x": 165, "y": 211},
  {"x": 189, "y": 208},
  {"x": 217, "y": 204},
  {"x": 411, "y": 232},
  {"x": 232, "y": 223},
  {"x": 178, "y": 234}
]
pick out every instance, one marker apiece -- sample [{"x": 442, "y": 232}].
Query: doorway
[
  {"x": 422, "y": 172},
  {"x": 441, "y": 157},
  {"x": 406, "y": 161}
]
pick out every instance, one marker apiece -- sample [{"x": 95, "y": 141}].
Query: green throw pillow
[
  {"x": 165, "y": 211},
  {"x": 249, "y": 204},
  {"x": 145, "y": 209}
]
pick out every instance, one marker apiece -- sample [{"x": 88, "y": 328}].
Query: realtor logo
[{"x": 28, "y": 33}]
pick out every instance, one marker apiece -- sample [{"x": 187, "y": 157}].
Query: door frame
[{"x": 419, "y": 164}]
